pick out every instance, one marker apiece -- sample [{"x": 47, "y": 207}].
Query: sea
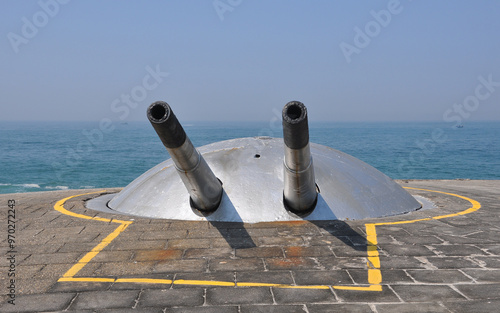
[{"x": 42, "y": 156}]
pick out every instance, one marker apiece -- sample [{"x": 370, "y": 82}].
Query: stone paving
[{"x": 449, "y": 264}]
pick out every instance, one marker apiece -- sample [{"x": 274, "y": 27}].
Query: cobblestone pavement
[{"x": 428, "y": 261}]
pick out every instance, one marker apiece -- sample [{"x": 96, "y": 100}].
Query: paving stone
[
  {"x": 407, "y": 250},
  {"x": 291, "y": 264},
  {"x": 400, "y": 262},
  {"x": 39, "y": 302},
  {"x": 156, "y": 255},
  {"x": 209, "y": 253},
  {"x": 124, "y": 268},
  {"x": 52, "y": 271},
  {"x": 280, "y": 241},
  {"x": 233, "y": 243},
  {"x": 484, "y": 275},
  {"x": 480, "y": 291},
  {"x": 203, "y": 233},
  {"x": 386, "y": 295},
  {"x": 178, "y": 266},
  {"x": 454, "y": 250},
  {"x": 298, "y": 231},
  {"x": 120, "y": 285},
  {"x": 89, "y": 270},
  {"x": 485, "y": 236},
  {"x": 228, "y": 295},
  {"x": 488, "y": 261},
  {"x": 411, "y": 308},
  {"x": 204, "y": 309},
  {"x": 272, "y": 309},
  {"x": 53, "y": 258},
  {"x": 452, "y": 262},
  {"x": 172, "y": 297},
  {"x": 147, "y": 310},
  {"x": 183, "y": 225},
  {"x": 75, "y": 230},
  {"x": 395, "y": 231},
  {"x": 136, "y": 245},
  {"x": 418, "y": 240},
  {"x": 264, "y": 232},
  {"x": 456, "y": 239},
  {"x": 139, "y": 227},
  {"x": 35, "y": 286},
  {"x": 163, "y": 234},
  {"x": 49, "y": 247},
  {"x": 491, "y": 248},
  {"x": 336, "y": 277},
  {"x": 236, "y": 265},
  {"x": 105, "y": 299},
  {"x": 335, "y": 263},
  {"x": 336, "y": 230},
  {"x": 74, "y": 311},
  {"x": 439, "y": 276},
  {"x": 83, "y": 238},
  {"x": 425, "y": 293},
  {"x": 335, "y": 307},
  {"x": 324, "y": 241},
  {"x": 79, "y": 286},
  {"x": 300, "y": 251},
  {"x": 491, "y": 305},
  {"x": 291, "y": 295},
  {"x": 183, "y": 244},
  {"x": 77, "y": 247},
  {"x": 349, "y": 251},
  {"x": 269, "y": 277},
  {"x": 25, "y": 272},
  {"x": 21, "y": 259},
  {"x": 214, "y": 276},
  {"x": 113, "y": 256},
  {"x": 260, "y": 252},
  {"x": 388, "y": 276}
]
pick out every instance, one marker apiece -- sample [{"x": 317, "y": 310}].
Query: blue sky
[{"x": 238, "y": 60}]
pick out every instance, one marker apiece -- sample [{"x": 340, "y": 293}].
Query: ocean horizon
[{"x": 43, "y": 156}]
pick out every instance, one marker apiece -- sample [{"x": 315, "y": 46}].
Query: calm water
[{"x": 61, "y": 155}]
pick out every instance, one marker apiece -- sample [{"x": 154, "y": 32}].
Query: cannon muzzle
[
  {"x": 203, "y": 187},
  {"x": 299, "y": 194}
]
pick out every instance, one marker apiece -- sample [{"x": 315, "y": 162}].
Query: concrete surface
[{"x": 445, "y": 259}]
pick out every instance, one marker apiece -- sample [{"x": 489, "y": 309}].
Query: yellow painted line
[
  {"x": 475, "y": 206},
  {"x": 367, "y": 288},
  {"x": 144, "y": 281},
  {"x": 374, "y": 276},
  {"x": 304, "y": 287},
  {"x": 374, "y": 272},
  {"x": 257, "y": 285},
  {"x": 203, "y": 282},
  {"x": 88, "y": 279},
  {"x": 59, "y": 206}
]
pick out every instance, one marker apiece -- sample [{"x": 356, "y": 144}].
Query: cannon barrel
[
  {"x": 299, "y": 194},
  {"x": 203, "y": 186}
]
